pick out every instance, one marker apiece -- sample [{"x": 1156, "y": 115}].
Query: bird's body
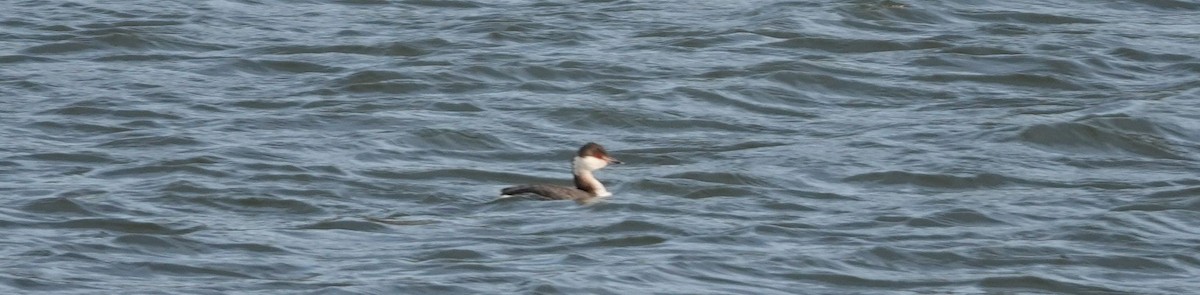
[
  {"x": 547, "y": 191},
  {"x": 591, "y": 157}
]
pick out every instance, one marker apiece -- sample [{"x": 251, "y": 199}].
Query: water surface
[{"x": 771, "y": 147}]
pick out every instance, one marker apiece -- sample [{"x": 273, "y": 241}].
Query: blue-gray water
[{"x": 806, "y": 147}]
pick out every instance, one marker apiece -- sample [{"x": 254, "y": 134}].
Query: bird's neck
[{"x": 585, "y": 181}]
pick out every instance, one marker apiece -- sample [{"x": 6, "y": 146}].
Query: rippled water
[{"x": 820, "y": 147}]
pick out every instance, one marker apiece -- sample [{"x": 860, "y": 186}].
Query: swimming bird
[{"x": 591, "y": 157}]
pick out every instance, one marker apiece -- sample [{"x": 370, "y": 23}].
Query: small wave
[
  {"x": 857, "y": 281},
  {"x": 159, "y": 169},
  {"x": 61, "y": 48},
  {"x": 1129, "y": 263},
  {"x": 713, "y": 192},
  {"x": 490, "y": 73},
  {"x": 411, "y": 48},
  {"x": 1030, "y": 80},
  {"x": 44, "y": 285},
  {"x": 121, "y": 40},
  {"x": 444, "y": 3},
  {"x": 1029, "y": 283},
  {"x": 372, "y": 76},
  {"x": 452, "y": 139},
  {"x": 632, "y": 226},
  {"x": 1005, "y": 29},
  {"x": 436, "y": 174},
  {"x": 188, "y": 187},
  {"x": 176, "y": 269},
  {"x": 980, "y": 50},
  {"x": 888, "y": 16},
  {"x": 78, "y": 110},
  {"x": 1166, "y": 5},
  {"x": 75, "y": 128},
  {"x": 726, "y": 178},
  {"x": 983, "y": 180},
  {"x": 265, "y": 67},
  {"x": 763, "y": 232},
  {"x": 717, "y": 40},
  {"x": 159, "y": 244},
  {"x": 1143, "y": 56},
  {"x": 21, "y": 58},
  {"x": 711, "y": 148},
  {"x": 58, "y": 205},
  {"x": 266, "y": 104},
  {"x": 351, "y": 225},
  {"x": 544, "y": 88},
  {"x": 132, "y": 23},
  {"x": 125, "y": 226},
  {"x": 955, "y": 217},
  {"x": 454, "y": 107},
  {"x": 842, "y": 45},
  {"x": 152, "y": 141},
  {"x": 1177, "y": 193},
  {"x": 755, "y": 107},
  {"x": 1128, "y": 135},
  {"x": 363, "y": 2},
  {"x": 391, "y": 87},
  {"x": 76, "y": 157},
  {"x": 253, "y": 204},
  {"x": 1179, "y": 199},
  {"x": 624, "y": 241},
  {"x": 554, "y": 37},
  {"x": 1187, "y": 67},
  {"x": 543, "y": 73},
  {"x": 1025, "y": 18},
  {"x": 888, "y": 255},
  {"x": 452, "y": 255},
  {"x": 180, "y": 245},
  {"x": 142, "y": 41}
]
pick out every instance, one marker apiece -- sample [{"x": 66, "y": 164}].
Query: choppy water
[{"x": 817, "y": 147}]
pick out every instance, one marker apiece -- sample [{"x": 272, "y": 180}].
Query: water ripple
[{"x": 770, "y": 147}]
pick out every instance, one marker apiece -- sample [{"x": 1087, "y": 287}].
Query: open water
[{"x": 771, "y": 147}]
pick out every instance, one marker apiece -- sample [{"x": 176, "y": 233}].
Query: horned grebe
[{"x": 591, "y": 157}]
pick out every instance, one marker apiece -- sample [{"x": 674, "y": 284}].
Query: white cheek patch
[{"x": 590, "y": 163}]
